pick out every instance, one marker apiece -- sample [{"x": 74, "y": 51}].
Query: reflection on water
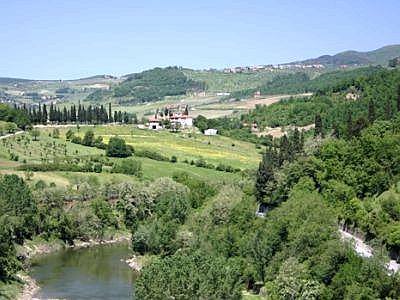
[{"x": 91, "y": 273}]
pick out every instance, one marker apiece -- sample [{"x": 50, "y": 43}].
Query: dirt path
[
  {"x": 281, "y": 131},
  {"x": 267, "y": 100},
  {"x": 10, "y": 135}
]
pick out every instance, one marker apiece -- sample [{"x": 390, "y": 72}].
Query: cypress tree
[
  {"x": 84, "y": 115},
  {"x": 120, "y": 116},
  {"x": 388, "y": 109},
  {"x": 59, "y": 115},
  {"x": 44, "y": 114},
  {"x": 110, "y": 117},
  {"x": 73, "y": 114},
  {"x": 349, "y": 125},
  {"x": 318, "y": 125},
  {"x": 51, "y": 113},
  {"x": 80, "y": 119},
  {"x": 126, "y": 118},
  {"x": 296, "y": 141},
  {"x": 302, "y": 141},
  {"x": 285, "y": 153},
  {"x": 65, "y": 115},
  {"x": 265, "y": 175}
]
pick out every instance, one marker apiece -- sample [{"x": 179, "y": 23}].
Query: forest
[
  {"x": 150, "y": 85},
  {"x": 346, "y": 174},
  {"x": 300, "y": 82}
]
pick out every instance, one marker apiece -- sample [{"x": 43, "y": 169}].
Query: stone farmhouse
[{"x": 173, "y": 117}]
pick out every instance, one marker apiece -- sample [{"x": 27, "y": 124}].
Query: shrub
[
  {"x": 201, "y": 163},
  {"x": 56, "y": 133},
  {"x": 151, "y": 154},
  {"x": 88, "y": 139},
  {"x": 117, "y": 148},
  {"x": 128, "y": 166},
  {"x": 76, "y": 139},
  {"x": 98, "y": 167},
  {"x": 69, "y": 134},
  {"x": 174, "y": 159}
]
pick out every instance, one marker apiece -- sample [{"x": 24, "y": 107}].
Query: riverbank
[{"x": 38, "y": 247}]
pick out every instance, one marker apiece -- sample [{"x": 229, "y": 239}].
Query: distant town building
[{"x": 210, "y": 131}]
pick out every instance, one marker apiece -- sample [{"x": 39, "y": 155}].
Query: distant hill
[
  {"x": 9, "y": 80},
  {"x": 379, "y": 56},
  {"x": 147, "y": 86}
]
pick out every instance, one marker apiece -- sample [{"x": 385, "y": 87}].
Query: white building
[
  {"x": 178, "y": 119},
  {"x": 183, "y": 121},
  {"x": 155, "y": 123},
  {"x": 210, "y": 131}
]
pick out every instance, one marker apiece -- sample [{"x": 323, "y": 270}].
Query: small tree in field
[
  {"x": 117, "y": 148},
  {"x": 35, "y": 133},
  {"x": 11, "y": 127},
  {"x": 56, "y": 133},
  {"x": 88, "y": 139}
]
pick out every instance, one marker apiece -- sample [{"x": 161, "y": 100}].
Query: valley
[{"x": 243, "y": 201}]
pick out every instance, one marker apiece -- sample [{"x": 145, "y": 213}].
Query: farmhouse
[
  {"x": 172, "y": 117},
  {"x": 155, "y": 123}
]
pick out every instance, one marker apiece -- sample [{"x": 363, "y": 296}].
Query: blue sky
[{"x": 58, "y": 39}]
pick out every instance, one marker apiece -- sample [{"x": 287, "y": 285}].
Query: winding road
[{"x": 365, "y": 250}]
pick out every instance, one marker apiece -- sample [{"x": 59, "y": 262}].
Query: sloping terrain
[{"x": 379, "y": 56}]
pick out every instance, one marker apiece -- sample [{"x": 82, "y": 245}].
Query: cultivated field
[
  {"x": 20, "y": 149},
  {"x": 190, "y": 146}
]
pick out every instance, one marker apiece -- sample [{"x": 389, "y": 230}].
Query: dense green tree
[
  {"x": 265, "y": 176},
  {"x": 35, "y": 133},
  {"x": 318, "y": 125},
  {"x": 117, "y": 147},
  {"x": 371, "y": 111},
  {"x": 128, "y": 166},
  {"x": 88, "y": 139},
  {"x": 9, "y": 264},
  {"x": 193, "y": 275}
]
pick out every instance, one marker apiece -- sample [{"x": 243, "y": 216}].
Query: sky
[{"x": 65, "y": 39}]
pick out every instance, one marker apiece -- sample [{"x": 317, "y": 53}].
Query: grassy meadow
[
  {"x": 20, "y": 149},
  {"x": 184, "y": 145}
]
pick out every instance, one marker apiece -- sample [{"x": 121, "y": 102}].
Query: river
[{"x": 98, "y": 272}]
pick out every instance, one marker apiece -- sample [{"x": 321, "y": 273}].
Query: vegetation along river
[{"x": 98, "y": 272}]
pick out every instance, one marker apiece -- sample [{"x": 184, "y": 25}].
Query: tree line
[{"x": 43, "y": 114}]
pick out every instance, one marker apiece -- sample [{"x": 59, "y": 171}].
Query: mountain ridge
[{"x": 380, "y": 56}]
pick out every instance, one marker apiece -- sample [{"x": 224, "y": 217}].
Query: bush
[
  {"x": 98, "y": 168},
  {"x": 88, "y": 139},
  {"x": 128, "y": 166},
  {"x": 49, "y": 167},
  {"x": 76, "y": 139},
  {"x": 174, "y": 159},
  {"x": 151, "y": 154},
  {"x": 56, "y": 133},
  {"x": 117, "y": 148},
  {"x": 69, "y": 135}
]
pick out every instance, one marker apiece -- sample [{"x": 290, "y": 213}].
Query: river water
[{"x": 91, "y": 273}]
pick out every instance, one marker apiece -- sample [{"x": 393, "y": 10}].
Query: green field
[
  {"x": 190, "y": 146},
  {"x": 214, "y": 150},
  {"x": 229, "y": 82}
]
